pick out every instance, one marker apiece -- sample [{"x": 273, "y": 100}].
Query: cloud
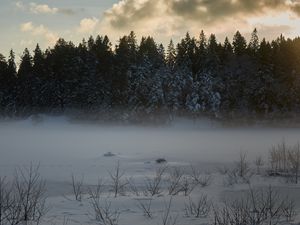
[
  {"x": 35, "y": 8},
  {"x": 42, "y": 9},
  {"x": 41, "y": 31},
  {"x": 26, "y": 43},
  {"x": 270, "y": 31},
  {"x": 166, "y": 19},
  {"x": 68, "y": 12},
  {"x": 25, "y": 27},
  {"x": 296, "y": 8},
  {"x": 205, "y": 11},
  {"x": 88, "y": 25},
  {"x": 19, "y": 5},
  {"x": 127, "y": 12}
]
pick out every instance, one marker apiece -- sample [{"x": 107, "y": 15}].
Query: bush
[
  {"x": 23, "y": 199},
  {"x": 259, "y": 207},
  {"x": 285, "y": 161}
]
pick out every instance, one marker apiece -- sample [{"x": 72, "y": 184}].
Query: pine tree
[
  {"x": 125, "y": 59},
  {"x": 171, "y": 55},
  {"x": 3, "y": 71},
  {"x": 227, "y": 46},
  {"x": 161, "y": 55},
  {"x": 201, "y": 54},
  {"x": 26, "y": 68},
  {"x": 202, "y": 42},
  {"x": 226, "y": 51},
  {"x": 212, "y": 57},
  {"x": 11, "y": 81},
  {"x": 90, "y": 43},
  {"x": 25, "y": 88},
  {"x": 183, "y": 51},
  {"x": 239, "y": 44},
  {"x": 3, "y": 82},
  {"x": 12, "y": 68},
  {"x": 38, "y": 62},
  {"x": 264, "y": 52},
  {"x": 253, "y": 45}
]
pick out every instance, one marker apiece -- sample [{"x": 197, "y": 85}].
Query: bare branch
[
  {"x": 77, "y": 187},
  {"x": 118, "y": 184}
]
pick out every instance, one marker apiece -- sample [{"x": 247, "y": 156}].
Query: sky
[{"x": 23, "y": 23}]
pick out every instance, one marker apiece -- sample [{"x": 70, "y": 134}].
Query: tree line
[{"x": 197, "y": 76}]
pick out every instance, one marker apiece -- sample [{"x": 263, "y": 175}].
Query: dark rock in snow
[
  {"x": 109, "y": 154},
  {"x": 161, "y": 160}
]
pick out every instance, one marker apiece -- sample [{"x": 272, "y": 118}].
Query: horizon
[{"x": 31, "y": 49}]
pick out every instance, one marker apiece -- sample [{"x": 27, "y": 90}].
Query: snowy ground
[{"x": 63, "y": 148}]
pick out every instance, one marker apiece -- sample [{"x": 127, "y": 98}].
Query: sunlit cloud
[
  {"x": 171, "y": 18},
  {"x": 41, "y": 31},
  {"x": 126, "y": 12},
  {"x": 25, "y": 27},
  {"x": 42, "y": 9},
  {"x": 88, "y": 25},
  {"x": 35, "y": 8}
]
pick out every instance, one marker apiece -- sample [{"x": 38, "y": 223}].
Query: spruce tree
[
  {"x": 12, "y": 68},
  {"x": 253, "y": 45},
  {"x": 26, "y": 68},
  {"x": 201, "y": 54},
  {"x": 39, "y": 66},
  {"x": 171, "y": 55},
  {"x": 239, "y": 44}
]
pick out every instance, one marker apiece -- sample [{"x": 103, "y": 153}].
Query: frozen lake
[{"x": 63, "y": 148}]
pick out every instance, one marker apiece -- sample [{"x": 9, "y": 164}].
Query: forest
[{"x": 139, "y": 79}]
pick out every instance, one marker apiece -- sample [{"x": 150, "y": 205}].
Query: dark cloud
[
  {"x": 131, "y": 12},
  {"x": 68, "y": 12},
  {"x": 296, "y": 8},
  {"x": 128, "y": 12},
  {"x": 210, "y": 11}
]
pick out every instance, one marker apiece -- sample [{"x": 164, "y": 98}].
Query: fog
[{"x": 62, "y": 147}]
